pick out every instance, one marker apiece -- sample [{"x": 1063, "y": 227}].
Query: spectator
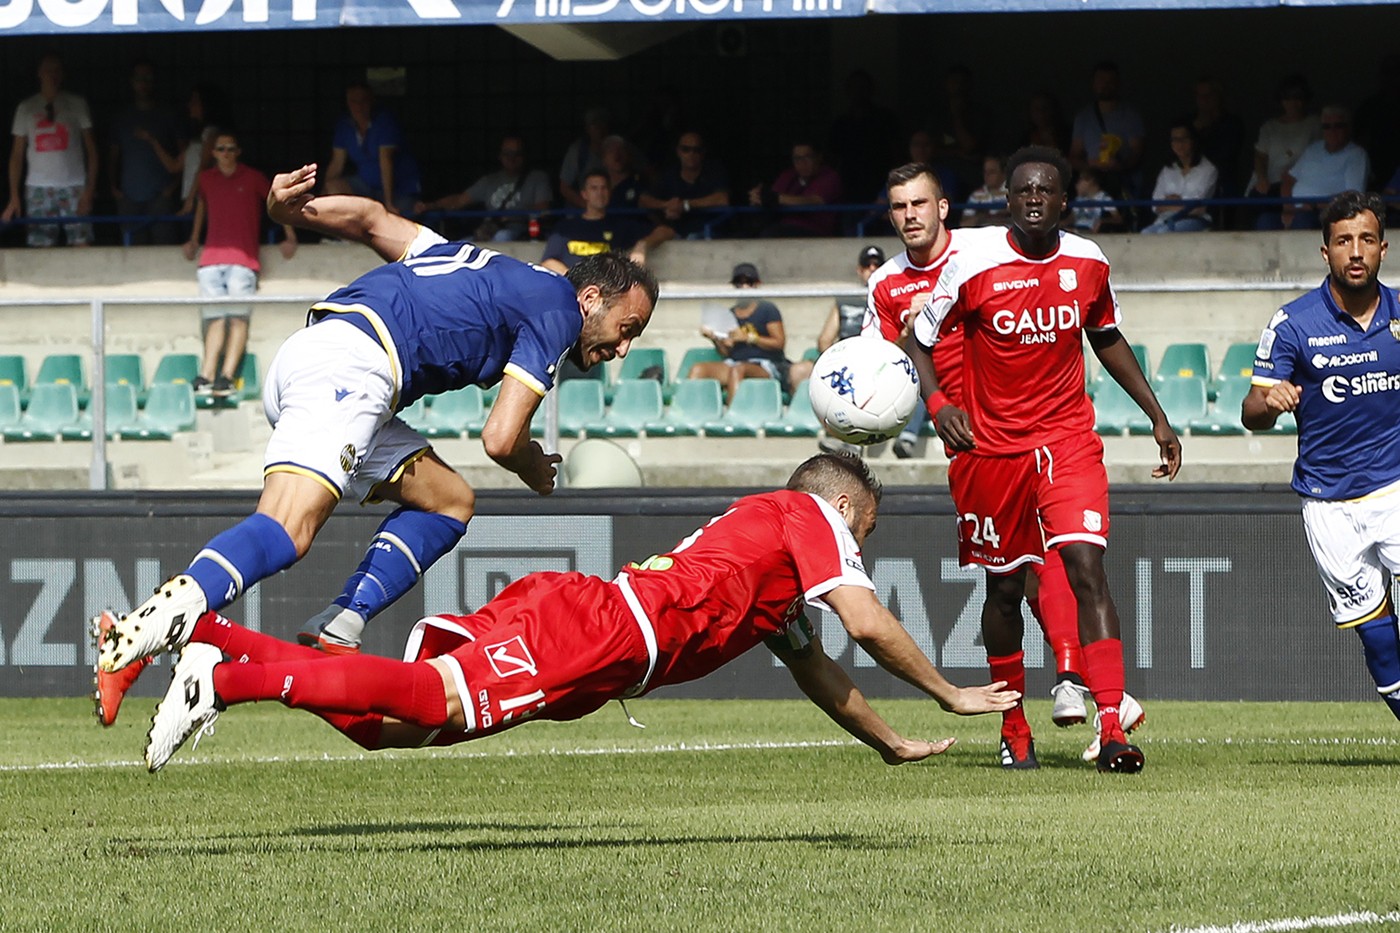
[
  {"x": 1091, "y": 213},
  {"x": 1326, "y": 168},
  {"x": 864, "y": 139},
  {"x": 960, "y": 131},
  {"x": 583, "y": 156},
  {"x": 1046, "y": 123},
  {"x": 807, "y": 182},
  {"x": 369, "y": 156},
  {"x": 208, "y": 112},
  {"x": 1108, "y": 135},
  {"x": 624, "y": 181},
  {"x": 141, "y": 183},
  {"x": 53, "y": 160},
  {"x": 754, "y": 348},
  {"x": 689, "y": 192},
  {"x": 920, "y": 150},
  {"x": 992, "y": 193},
  {"x": 843, "y": 320},
  {"x": 1219, "y": 133},
  {"x": 514, "y": 187},
  {"x": 231, "y": 197},
  {"x": 1282, "y": 140},
  {"x": 1378, "y": 119},
  {"x": 1189, "y": 176},
  {"x": 593, "y": 232}
]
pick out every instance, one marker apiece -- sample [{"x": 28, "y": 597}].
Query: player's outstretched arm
[
  {"x": 885, "y": 640},
  {"x": 1121, "y": 363},
  {"x": 1262, "y": 406},
  {"x": 826, "y": 684},
  {"x": 506, "y": 437},
  {"x": 290, "y": 201},
  {"x": 952, "y": 423}
]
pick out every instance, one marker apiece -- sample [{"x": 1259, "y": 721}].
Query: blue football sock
[
  {"x": 1380, "y": 640},
  {"x": 406, "y": 544},
  {"x": 234, "y": 560}
]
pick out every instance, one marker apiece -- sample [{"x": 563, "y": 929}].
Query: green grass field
[{"x": 732, "y": 815}]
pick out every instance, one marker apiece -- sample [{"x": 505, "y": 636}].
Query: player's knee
[
  {"x": 461, "y": 505},
  {"x": 1005, "y": 591}
]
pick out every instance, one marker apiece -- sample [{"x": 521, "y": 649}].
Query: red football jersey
[
  {"x": 742, "y": 578},
  {"x": 1024, "y": 320},
  {"x": 896, "y": 292}
]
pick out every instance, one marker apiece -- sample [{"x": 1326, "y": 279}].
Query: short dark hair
[
  {"x": 1293, "y": 85},
  {"x": 1350, "y": 204},
  {"x": 601, "y": 173},
  {"x": 1185, "y": 123},
  {"x": 1042, "y": 154},
  {"x": 614, "y": 274},
  {"x": 830, "y": 474},
  {"x": 910, "y": 171}
]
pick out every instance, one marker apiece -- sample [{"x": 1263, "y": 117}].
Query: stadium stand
[
  {"x": 756, "y": 402},
  {"x": 53, "y": 406},
  {"x": 696, "y": 403},
  {"x": 636, "y": 404}
]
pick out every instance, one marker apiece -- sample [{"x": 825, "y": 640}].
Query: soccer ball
[{"x": 864, "y": 389}]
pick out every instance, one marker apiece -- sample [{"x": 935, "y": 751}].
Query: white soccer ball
[{"x": 864, "y": 390}]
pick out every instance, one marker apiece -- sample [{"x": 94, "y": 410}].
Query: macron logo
[
  {"x": 1329, "y": 341},
  {"x": 340, "y": 394}
]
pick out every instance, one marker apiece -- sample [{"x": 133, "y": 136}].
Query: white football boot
[
  {"x": 1069, "y": 708},
  {"x": 162, "y": 623},
  {"x": 190, "y": 705},
  {"x": 1130, "y": 716}
]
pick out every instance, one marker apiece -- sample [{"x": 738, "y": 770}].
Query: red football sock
[
  {"x": 241, "y": 644},
  {"x": 1012, "y": 669},
  {"x": 362, "y": 730},
  {"x": 1103, "y": 670},
  {"x": 355, "y": 684},
  {"x": 1059, "y": 615}
]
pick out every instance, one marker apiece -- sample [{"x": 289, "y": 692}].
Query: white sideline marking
[
  {"x": 416, "y": 753},
  {"x": 1360, "y": 918}
]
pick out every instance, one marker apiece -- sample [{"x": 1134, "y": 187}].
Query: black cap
[
  {"x": 744, "y": 273},
  {"x": 871, "y": 256}
]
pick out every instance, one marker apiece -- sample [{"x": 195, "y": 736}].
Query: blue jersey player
[
  {"x": 438, "y": 316},
  {"x": 1333, "y": 358}
]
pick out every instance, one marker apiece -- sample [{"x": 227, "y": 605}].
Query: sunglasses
[{"x": 225, "y": 148}]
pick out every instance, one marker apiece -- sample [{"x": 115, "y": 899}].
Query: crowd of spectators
[{"x": 663, "y": 180}]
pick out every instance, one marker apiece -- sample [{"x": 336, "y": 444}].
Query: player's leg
[
  {"x": 437, "y": 505},
  {"x": 235, "y": 345},
  {"x": 1052, "y": 604},
  {"x": 1003, "y": 635}
]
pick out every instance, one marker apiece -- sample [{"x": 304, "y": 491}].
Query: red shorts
[
  {"x": 1011, "y": 508},
  {"x": 550, "y": 646}
]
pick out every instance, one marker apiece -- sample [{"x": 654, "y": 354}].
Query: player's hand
[
  {"x": 916, "y": 750},
  {"x": 540, "y": 472},
  {"x": 288, "y": 248},
  {"x": 10, "y": 213},
  {"x": 955, "y": 428},
  {"x": 1169, "y": 445},
  {"x": 988, "y": 698},
  {"x": 1282, "y": 397},
  {"x": 190, "y": 248},
  {"x": 290, "y": 192}
]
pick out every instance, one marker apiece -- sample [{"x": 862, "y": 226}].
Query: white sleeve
[{"x": 424, "y": 239}]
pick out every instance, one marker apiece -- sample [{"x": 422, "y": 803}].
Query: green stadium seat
[
  {"x": 812, "y": 354},
  {"x": 1238, "y": 362},
  {"x": 488, "y": 396},
  {"x": 13, "y": 372},
  {"x": 121, "y": 414},
  {"x": 1181, "y": 360},
  {"x": 64, "y": 368},
  {"x": 1113, "y": 408},
  {"x": 1224, "y": 415},
  {"x": 126, "y": 369},
  {"x": 1287, "y": 423},
  {"x": 637, "y": 403},
  {"x": 580, "y": 404},
  {"x": 176, "y": 367},
  {"x": 798, "y": 419},
  {"x": 415, "y": 415},
  {"x": 10, "y": 408},
  {"x": 696, "y": 355},
  {"x": 169, "y": 411},
  {"x": 695, "y": 403},
  {"x": 53, "y": 406},
  {"x": 1101, "y": 376},
  {"x": 458, "y": 413},
  {"x": 1183, "y": 398},
  {"x": 641, "y": 364},
  {"x": 248, "y": 386},
  {"x": 756, "y": 403}
]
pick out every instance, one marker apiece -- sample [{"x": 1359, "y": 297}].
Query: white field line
[
  {"x": 665, "y": 748},
  {"x": 1335, "y": 921}
]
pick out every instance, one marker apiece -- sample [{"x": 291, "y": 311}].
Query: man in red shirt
[
  {"x": 231, "y": 198},
  {"x": 807, "y": 183},
  {"x": 1028, "y": 468},
  {"x": 560, "y": 645}
]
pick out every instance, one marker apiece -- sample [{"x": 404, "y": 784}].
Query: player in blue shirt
[
  {"x": 1333, "y": 358},
  {"x": 439, "y": 316}
]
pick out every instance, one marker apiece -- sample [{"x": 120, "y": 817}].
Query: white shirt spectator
[
  {"x": 1198, "y": 183},
  {"x": 55, "y": 157}
]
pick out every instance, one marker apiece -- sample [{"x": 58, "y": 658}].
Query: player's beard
[{"x": 1366, "y": 285}]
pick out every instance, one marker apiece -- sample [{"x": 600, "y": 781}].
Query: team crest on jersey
[
  {"x": 348, "y": 461},
  {"x": 1093, "y": 521},
  {"x": 1395, "y": 329},
  {"x": 511, "y": 657},
  {"x": 1068, "y": 280}
]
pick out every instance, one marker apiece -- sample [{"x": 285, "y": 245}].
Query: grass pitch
[{"x": 733, "y": 815}]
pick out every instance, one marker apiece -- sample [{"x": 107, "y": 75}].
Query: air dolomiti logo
[
  {"x": 1323, "y": 361},
  {"x": 1037, "y": 325}
]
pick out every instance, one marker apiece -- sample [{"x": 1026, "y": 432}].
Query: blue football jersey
[
  {"x": 457, "y": 314},
  {"x": 1349, "y": 405}
]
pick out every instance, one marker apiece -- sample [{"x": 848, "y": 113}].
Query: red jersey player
[
  {"x": 1028, "y": 471},
  {"x": 560, "y": 645},
  {"x": 897, "y": 290}
]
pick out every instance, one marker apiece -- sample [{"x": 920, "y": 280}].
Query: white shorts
[
  {"x": 1356, "y": 544},
  {"x": 330, "y": 400},
  {"x": 226, "y": 281}
]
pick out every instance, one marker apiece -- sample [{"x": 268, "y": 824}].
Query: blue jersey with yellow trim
[
  {"x": 1349, "y": 403},
  {"x": 457, "y": 314}
]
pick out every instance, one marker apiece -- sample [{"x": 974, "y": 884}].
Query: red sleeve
[
  {"x": 827, "y": 186},
  {"x": 1104, "y": 312},
  {"x": 824, "y": 550}
]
